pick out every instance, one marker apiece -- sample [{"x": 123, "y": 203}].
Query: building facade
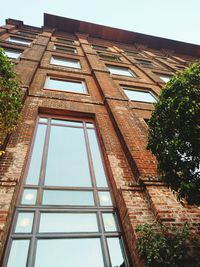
[{"x": 77, "y": 179}]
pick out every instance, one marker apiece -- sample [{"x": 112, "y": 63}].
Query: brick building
[{"x": 77, "y": 178}]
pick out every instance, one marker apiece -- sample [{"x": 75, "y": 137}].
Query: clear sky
[{"x": 173, "y": 19}]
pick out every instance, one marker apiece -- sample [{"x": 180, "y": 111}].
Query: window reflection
[
  {"x": 84, "y": 252},
  {"x": 67, "y": 163}
]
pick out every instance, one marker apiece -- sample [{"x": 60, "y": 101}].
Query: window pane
[
  {"x": 121, "y": 71},
  {"x": 77, "y": 252},
  {"x": 24, "y": 222},
  {"x": 36, "y": 158},
  {"x": 18, "y": 253},
  {"x": 165, "y": 78},
  {"x": 105, "y": 198},
  {"x": 61, "y": 197},
  {"x": 70, "y": 123},
  {"x": 97, "y": 160},
  {"x": 140, "y": 96},
  {"x": 109, "y": 222},
  {"x": 65, "y": 49},
  {"x": 68, "y": 222},
  {"x": 115, "y": 252},
  {"x": 29, "y": 197},
  {"x": 66, "y": 86},
  {"x": 67, "y": 163},
  {"x": 44, "y": 120},
  {"x": 12, "y": 53},
  {"x": 71, "y": 63},
  {"x": 19, "y": 41}
]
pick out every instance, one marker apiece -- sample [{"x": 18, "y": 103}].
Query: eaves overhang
[{"x": 117, "y": 35}]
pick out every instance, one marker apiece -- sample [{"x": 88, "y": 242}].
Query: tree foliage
[
  {"x": 10, "y": 95},
  {"x": 174, "y": 134}
]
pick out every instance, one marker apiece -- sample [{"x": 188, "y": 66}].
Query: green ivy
[
  {"x": 10, "y": 96},
  {"x": 174, "y": 134},
  {"x": 162, "y": 246}
]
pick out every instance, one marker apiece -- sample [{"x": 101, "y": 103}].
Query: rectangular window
[
  {"x": 100, "y": 47},
  {"x": 146, "y": 63},
  {"x": 70, "y": 63},
  {"x": 65, "y": 211},
  {"x": 141, "y": 96},
  {"x": 28, "y": 34},
  {"x": 164, "y": 78},
  {"x": 108, "y": 57},
  {"x": 19, "y": 40},
  {"x": 11, "y": 53},
  {"x": 65, "y": 86},
  {"x": 67, "y": 49},
  {"x": 132, "y": 53},
  {"x": 121, "y": 71},
  {"x": 65, "y": 41}
]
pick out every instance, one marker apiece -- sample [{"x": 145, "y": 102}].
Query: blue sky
[{"x": 173, "y": 19}]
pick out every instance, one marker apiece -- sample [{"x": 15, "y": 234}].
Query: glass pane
[
  {"x": 68, "y": 222},
  {"x": 29, "y": 197},
  {"x": 71, "y": 63},
  {"x": 105, "y": 198},
  {"x": 165, "y": 78},
  {"x": 115, "y": 252},
  {"x": 36, "y": 158},
  {"x": 67, "y": 163},
  {"x": 69, "y": 123},
  {"x": 140, "y": 96},
  {"x": 121, "y": 71},
  {"x": 18, "y": 253},
  {"x": 89, "y": 125},
  {"x": 44, "y": 120},
  {"x": 12, "y": 53},
  {"x": 61, "y": 197},
  {"x": 109, "y": 222},
  {"x": 77, "y": 252},
  {"x": 24, "y": 222},
  {"x": 19, "y": 41},
  {"x": 66, "y": 86},
  {"x": 97, "y": 160}
]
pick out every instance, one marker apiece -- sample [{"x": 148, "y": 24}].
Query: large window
[
  {"x": 65, "y": 216},
  {"x": 65, "y": 86},
  {"x": 121, "y": 71},
  {"x": 71, "y": 63}
]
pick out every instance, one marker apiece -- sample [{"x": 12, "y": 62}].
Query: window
[
  {"x": 100, "y": 47},
  {"x": 19, "y": 40},
  {"x": 121, "y": 71},
  {"x": 11, "y": 53},
  {"x": 141, "y": 96},
  {"x": 71, "y": 63},
  {"x": 132, "y": 53},
  {"x": 68, "y": 49},
  {"x": 164, "y": 78},
  {"x": 66, "y": 206},
  {"x": 65, "y": 41},
  {"x": 65, "y": 86},
  {"x": 24, "y": 33},
  {"x": 146, "y": 63},
  {"x": 108, "y": 57}
]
